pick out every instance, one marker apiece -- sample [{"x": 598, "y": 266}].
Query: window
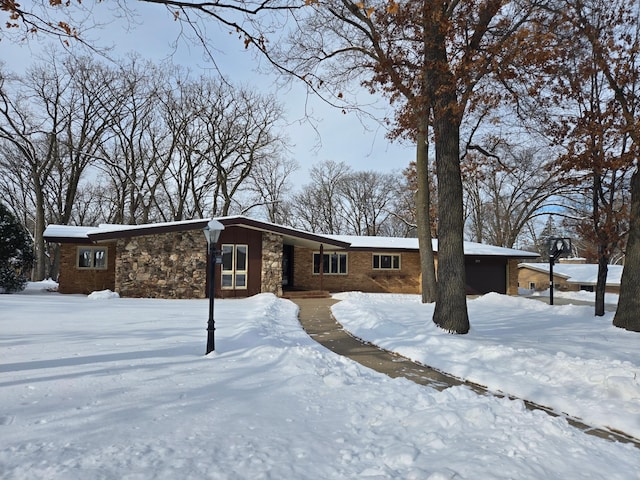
[
  {"x": 92, "y": 258},
  {"x": 386, "y": 262},
  {"x": 234, "y": 266},
  {"x": 532, "y": 285},
  {"x": 332, "y": 263}
]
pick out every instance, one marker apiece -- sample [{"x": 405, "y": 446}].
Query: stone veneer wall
[
  {"x": 169, "y": 265},
  {"x": 271, "y": 281}
]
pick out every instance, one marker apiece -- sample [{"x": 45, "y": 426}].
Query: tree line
[{"x": 84, "y": 142}]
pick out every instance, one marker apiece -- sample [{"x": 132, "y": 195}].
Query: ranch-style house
[{"x": 169, "y": 260}]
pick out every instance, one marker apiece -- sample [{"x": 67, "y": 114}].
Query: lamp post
[
  {"x": 212, "y": 234},
  {"x": 558, "y": 247}
]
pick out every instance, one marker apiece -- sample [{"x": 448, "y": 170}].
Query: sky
[{"x": 336, "y": 136}]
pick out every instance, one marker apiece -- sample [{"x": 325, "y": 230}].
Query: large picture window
[
  {"x": 386, "y": 262},
  {"x": 332, "y": 263},
  {"x": 234, "y": 266},
  {"x": 92, "y": 258}
]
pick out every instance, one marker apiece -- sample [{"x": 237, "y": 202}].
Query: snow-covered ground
[
  {"x": 115, "y": 388},
  {"x": 582, "y": 295},
  {"x": 560, "y": 356}
]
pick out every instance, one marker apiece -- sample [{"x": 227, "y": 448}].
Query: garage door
[{"x": 486, "y": 274}]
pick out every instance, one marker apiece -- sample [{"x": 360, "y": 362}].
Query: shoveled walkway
[{"x": 315, "y": 317}]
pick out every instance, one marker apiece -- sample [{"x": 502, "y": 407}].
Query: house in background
[
  {"x": 569, "y": 275},
  {"x": 169, "y": 260}
]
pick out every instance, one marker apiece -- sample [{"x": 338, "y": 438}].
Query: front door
[{"x": 287, "y": 267}]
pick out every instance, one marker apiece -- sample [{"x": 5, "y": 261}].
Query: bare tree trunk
[
  {"x": 451, "y": 301},
  {"x": 629, "y": 303},
  {"x": 603, "y": 260},
  {"x": 40, "y": 268},
  {"x": 601, "y": 283},
  {"x": 423, "y": 219}
]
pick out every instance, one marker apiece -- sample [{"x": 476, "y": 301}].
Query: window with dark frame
[
  {"x": 333, "y": 263},
  {"x": 385, "y": 261},
  {"x": 91, "y": 258}
]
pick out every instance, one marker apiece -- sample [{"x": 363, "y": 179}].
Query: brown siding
[
  {"x": 361, "y": 276},
  {"x": 74, "y": 280},
  {"x": 252, "y": 238},
  {"x": 169, "y": 265}
]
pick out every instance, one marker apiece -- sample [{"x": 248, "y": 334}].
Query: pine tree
[{"x": 16, "y": 253}]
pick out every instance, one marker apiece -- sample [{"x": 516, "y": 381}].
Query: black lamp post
[
  {"x": 558, "y": 247},
  {"x": 212, "y": 234}
]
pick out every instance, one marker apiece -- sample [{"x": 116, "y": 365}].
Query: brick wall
[
  {"x": 169, "y": 265},
  {"x": 526, "y": 276},
  {"x": 361, "y": 276},
  {"x": 512, "y": 276},
  {"x": 74, "y": 280}
]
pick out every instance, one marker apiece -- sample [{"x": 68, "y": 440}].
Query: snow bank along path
[
  {"x": 315, "y": 317},
  {"x": 559, "y": 356}
]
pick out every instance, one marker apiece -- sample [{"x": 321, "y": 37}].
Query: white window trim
[
  {"x": 93, "y": 251},
  {"x": 380, "y": 262},
  {"x": 234, "y": 272}
]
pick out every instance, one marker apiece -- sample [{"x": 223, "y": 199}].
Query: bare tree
[
  {"x": 270, "y": 186},
  {"x": 240, "y": 127},
  {"x": 367, "y": 199},
  {"x": 507, "y": 190},
  {"x": 135, "y": 158},
  {"x": 31, "y": 144},
  {"x": 56, "y": 122},
  {"x": 318, "y": 207},
  {"x": 187, "y": 184}
]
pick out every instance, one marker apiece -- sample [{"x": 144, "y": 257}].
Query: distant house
[
  {"x": 567, "y": 276},
  {"x": 168, "y": 260}
]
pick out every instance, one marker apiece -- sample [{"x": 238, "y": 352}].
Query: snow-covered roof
[
  {"x": 61, "y": 233},
  {"x": 396, "y": 243},
  {"x": 67, "y": 231},
  {"x": 580, "y": 273},
  {"x": 71, "y": 234}
]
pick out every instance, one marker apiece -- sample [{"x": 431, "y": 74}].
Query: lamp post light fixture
[
  {"x": 212, "y": 234},
  {"x": 558, "y": 247}
]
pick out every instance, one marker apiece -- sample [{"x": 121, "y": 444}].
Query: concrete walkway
[
  {"x": 315, "y": 317},
  {"x": 609, "y": 307}
]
